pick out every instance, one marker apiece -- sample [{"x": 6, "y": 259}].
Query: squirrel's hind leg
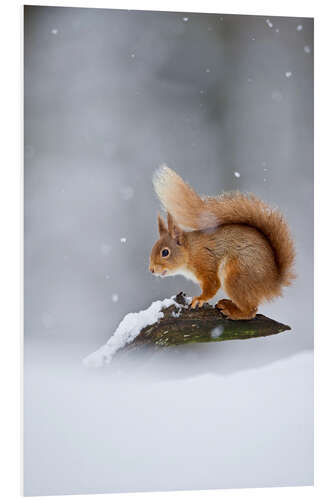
[
  {"x": 238, "y": 285},
  {"x": 230, "y": 310}
]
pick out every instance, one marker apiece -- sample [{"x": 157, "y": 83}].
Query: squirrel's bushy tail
[{"x": 192, "y": 212}]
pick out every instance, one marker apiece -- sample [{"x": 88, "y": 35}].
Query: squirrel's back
[{"x": 192, "y": 212}]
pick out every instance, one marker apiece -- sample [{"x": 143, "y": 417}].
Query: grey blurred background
[{"x": 227, "y": 101}]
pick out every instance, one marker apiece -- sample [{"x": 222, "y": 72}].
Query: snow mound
[{"x": 128, "y": 329}]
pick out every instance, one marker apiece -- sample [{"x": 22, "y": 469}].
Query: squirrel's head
[{"x": 169, "y": 252}]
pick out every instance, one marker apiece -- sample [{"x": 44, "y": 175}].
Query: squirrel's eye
[{"x": 165, "y": 252}]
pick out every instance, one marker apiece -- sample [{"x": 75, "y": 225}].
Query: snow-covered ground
[{"x": 170, "y": 420}]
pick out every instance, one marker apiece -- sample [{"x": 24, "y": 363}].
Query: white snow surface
[
  {"x": 128, "y": 329},
  {"x": 256, "y": 416}
]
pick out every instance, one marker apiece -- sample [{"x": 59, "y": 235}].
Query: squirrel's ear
[
  {"x": 170, "y": 224},
  {"x": 175, "y": 232},
  {"x": 162, "y": 229}
]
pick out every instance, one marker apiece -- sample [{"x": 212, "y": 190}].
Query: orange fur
[{"x": 234, "y": 240}]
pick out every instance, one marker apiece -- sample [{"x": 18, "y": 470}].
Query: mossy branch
[{"x": 207, "y": 324}]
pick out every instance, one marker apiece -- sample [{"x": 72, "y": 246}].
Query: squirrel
[{"x": 234, "y": 241}]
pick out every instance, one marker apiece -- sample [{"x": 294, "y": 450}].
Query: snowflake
[{"x": 216, "y": 332}]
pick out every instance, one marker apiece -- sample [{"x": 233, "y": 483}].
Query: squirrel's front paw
[{"x": 197, "y": 301}]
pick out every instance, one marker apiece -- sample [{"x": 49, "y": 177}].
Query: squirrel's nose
[{"x": 152, "y": 270}]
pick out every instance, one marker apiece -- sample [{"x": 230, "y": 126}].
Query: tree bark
[{"x": 207, "y": 324}]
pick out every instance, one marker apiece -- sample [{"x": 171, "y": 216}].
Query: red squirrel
[{"x": 234, "y": 241}]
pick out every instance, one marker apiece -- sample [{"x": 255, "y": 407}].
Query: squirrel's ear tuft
[
  {"x": 170, "y": 224},
  {"x": 162, "y": 229},
  {"x": 175, "y": 232}
]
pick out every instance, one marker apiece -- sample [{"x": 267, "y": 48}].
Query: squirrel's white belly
[{"x": 183, "y": 271}]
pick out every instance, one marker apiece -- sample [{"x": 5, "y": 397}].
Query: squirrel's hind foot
[{"x": 229, "y": 309}]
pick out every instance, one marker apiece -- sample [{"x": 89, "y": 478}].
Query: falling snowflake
[
  {"x": 133, "y": 56},
  {"x": 123, "y": 240},
  {"x": 185, "y": 19},
  {"x": 299, "y": 27},
  {"x": 207, "y": 70},
  {"x": 307, "y": 49},
  {"x": 288, "y": 74},
  {"x": 54, "y": 31},
  {"x": 216, "y": 332},
  {"x": 269, "y": 23},
  {"x": 237, "y": 174},
  {"x": 115, "y": 297}
]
